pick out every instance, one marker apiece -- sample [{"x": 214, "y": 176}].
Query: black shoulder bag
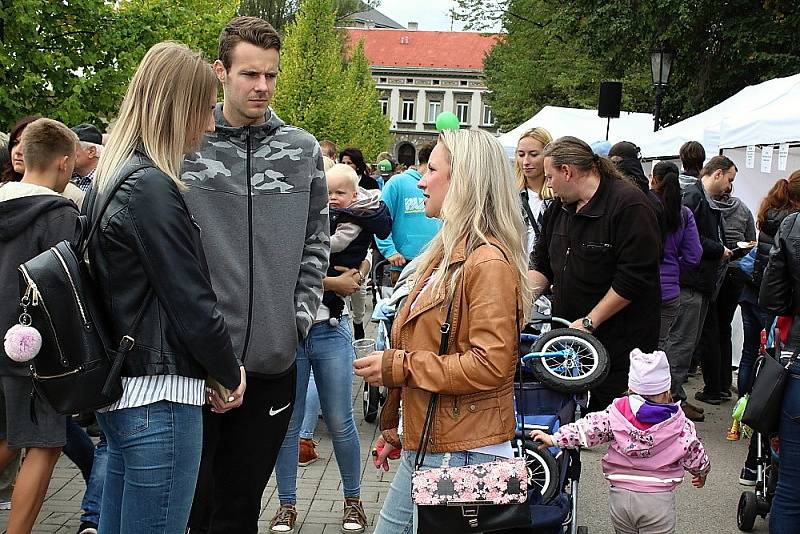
[
  {"x": 763, "y": 410},
  {"x": 77, "y": 368},
  {"x": 445, "y": 505}
]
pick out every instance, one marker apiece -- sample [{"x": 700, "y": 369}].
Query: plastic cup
[{"x": 363, "y": 347}]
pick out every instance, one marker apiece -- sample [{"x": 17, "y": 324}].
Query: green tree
[
  {"x": 72, "y": 60},
  {"x": 280, "y": 13},
  {"x": 557, "y": 52},
  {"x": 364, "y": 124},
  {"x": 311, "y": 70},
  {"x": 317, "y": 91}
]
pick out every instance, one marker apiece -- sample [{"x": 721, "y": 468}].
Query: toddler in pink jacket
[{"x": 651, "y": 443}]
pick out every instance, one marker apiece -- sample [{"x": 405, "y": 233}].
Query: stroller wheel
[
  {"x": 542, "y": 470},
  {"x": 579, "y": 361},
  {"x": 746, "y": 511},
  {"x": 583, "y": 530},
  {"x": 372, "y": 401}
]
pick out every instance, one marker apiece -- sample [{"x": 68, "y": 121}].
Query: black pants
[
  {"x": 727, "y": 301},
  {"x": 240, "y": 448},
  {"x": 709, "y": 349}
]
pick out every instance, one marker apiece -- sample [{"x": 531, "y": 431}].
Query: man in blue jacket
[{"x": 412, "y": 230}]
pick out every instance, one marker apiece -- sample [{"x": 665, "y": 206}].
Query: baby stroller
[
  {"x": 557, "y": 368},
  {"x": 387, "y": 300},
  {"x": 758, "y": 502}
]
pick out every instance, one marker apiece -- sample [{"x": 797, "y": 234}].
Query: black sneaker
[
  {"x": 702, "y": 396},
  {"x": 87, "y": 528},
  {"x": 748, "y": 477},
  {"x": 725, "y": 394}
]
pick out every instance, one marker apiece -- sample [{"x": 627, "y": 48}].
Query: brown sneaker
[
  {"x": 284, "y": 520},
  {"x": 354, "y": 520},
  {"x": 308, "y": 455},
  {"x": 692, "y": 413}
]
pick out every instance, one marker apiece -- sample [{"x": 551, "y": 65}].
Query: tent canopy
[
  {"x": 581, "y": 123},
  {"x": 774, "y": 123},
  {"x": 707, "y": 127}
]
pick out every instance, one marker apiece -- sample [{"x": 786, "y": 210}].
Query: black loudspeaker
[{"x": 610, "y": 99}]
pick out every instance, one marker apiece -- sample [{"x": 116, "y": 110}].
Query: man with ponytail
[{"x": 600, "y": 250}]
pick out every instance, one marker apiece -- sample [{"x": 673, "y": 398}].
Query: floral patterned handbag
[{"x": 471, "y": 498}]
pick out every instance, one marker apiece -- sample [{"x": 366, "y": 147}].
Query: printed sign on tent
[
  {"x": 783, "y": 156},
  {"x": 750, "y": 162},
  {"x": 766, "y": 158}
]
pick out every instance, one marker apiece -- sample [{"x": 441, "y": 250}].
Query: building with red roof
[{"x": 420, "y": 74}]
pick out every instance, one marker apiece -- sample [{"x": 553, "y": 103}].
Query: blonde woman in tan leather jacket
[{"x": 477, "y": 265}]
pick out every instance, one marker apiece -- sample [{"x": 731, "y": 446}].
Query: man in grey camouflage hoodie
[{"x": 257, "y": 189}]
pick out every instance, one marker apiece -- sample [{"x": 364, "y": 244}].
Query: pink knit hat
[{"x": 649, "y": 373}]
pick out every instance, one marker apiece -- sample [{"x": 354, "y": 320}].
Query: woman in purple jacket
[{"x": 682, "y": 250}]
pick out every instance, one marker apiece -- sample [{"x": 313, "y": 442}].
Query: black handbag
[
  {"x": 457, "y": 516},
  {"x": 78, "y": 367},
  {"x": 763, "y": 409}
]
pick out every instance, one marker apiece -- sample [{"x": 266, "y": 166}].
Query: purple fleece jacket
[{"x": 682, "y": 253}]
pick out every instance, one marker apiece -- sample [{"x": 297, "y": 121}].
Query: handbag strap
[{"x": 426, "y": 429}]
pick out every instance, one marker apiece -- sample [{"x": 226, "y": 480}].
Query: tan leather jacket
[{"x": 475, "y": 378}]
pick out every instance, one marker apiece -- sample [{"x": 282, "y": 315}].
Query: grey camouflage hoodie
[{"x": 260, "y": 197}]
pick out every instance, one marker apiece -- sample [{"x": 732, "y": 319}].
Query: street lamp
[{"x": 660, "y": 67}]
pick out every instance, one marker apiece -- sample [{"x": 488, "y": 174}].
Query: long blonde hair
[
  {"x": 165, "y": 105},
  {"x": 481, "y": 201},
  {"x": 543, "y": 136}
]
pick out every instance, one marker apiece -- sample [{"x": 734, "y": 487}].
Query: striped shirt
[{"x": 143, "y": 390}]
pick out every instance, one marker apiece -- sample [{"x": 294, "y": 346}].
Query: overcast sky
[{"x": 430, "y": 14}]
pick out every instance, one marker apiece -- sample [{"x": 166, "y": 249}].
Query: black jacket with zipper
[
  {"x": 712, "y": 231},
  {"x": 149, "y": 242},
  {"x": 613, "y": 242}
]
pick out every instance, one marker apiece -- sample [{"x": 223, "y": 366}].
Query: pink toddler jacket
[{"x": 640, "y": 458}]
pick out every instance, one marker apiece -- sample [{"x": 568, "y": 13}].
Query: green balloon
[{"x": 447, "y": 120}]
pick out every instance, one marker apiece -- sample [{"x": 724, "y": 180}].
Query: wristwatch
[{"x": 588, "y": 324}]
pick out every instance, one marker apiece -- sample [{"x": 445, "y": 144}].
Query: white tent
[
  {"x": 707, "y": 126},
  {"x": 581, "y": 123},
  {"x": 774, "y": 123}
]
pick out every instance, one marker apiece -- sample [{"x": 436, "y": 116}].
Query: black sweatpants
[{"x": 240, "y": 449}]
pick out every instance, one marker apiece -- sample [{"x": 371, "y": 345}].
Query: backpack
[{"x": 78, "y": 366}]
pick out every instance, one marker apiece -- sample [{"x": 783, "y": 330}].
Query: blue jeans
[
  {"x": 785, "y": 513},
  {"x": 153, "y": 459},
  {"x": 94, "y": 486},
  {"x": 79, "y": 448},
  {"x": 312, "y": 410},
  {"x": 754, "y": 320},
  {"x": 398, "y": 514},
  {"x": 329, "y": 351}
]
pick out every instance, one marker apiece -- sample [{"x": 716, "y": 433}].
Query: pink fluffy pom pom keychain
[{"x": 22, "y": 343}]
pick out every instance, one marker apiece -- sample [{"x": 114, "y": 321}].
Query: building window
[
  {"x": 434, "y": 82},
  {"x": 434, "y": 108},
  {"x": 384, "y": 106},
  {"x": 382, "y": 80},
  {"x": 488, "y": 117},
  {"x": 408, "y": 110},
  {"x": 409, "y": 80},
  {"x": 463, "y": 82},
  {"x": 462, "y": 112}
]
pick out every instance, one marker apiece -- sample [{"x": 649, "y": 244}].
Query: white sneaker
[{"x": 5, "y": 505}]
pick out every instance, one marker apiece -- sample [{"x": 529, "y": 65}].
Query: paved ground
[{"x": 711, "y": 509}]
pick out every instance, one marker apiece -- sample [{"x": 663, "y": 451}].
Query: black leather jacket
[
  {"x": 149, "y": 242},
  {"x": 780, "y": 285},
  {"x": 766, "y": 238}
]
